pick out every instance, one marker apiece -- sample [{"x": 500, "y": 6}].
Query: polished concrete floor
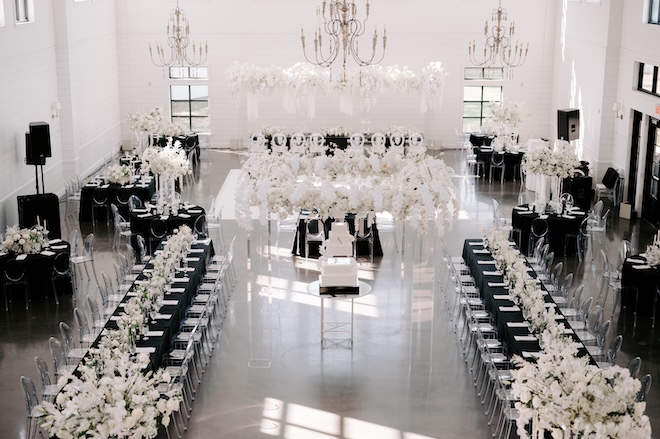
[{"x": 404, "y": 376}]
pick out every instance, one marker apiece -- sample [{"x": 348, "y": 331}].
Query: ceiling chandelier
[
  {"x": 178, "y": 41},
  {"x": 499, "y": 49},
  {"x": 338, "y": 21}
]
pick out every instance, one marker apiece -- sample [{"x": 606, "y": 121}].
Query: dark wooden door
[{"x": 651, "y": 204}]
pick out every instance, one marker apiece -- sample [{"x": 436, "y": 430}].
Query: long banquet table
[
  {"x": 640, "y": 280},
  {"x": 175, "y": 304},
  {"x": 511, "y": 325},
  {"x": 141, "y": 219}
]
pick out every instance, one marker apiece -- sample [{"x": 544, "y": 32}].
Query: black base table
[
  {"x": 558, "y": 227},
  {"x": 39, "y": 271},
  {"x": 639, "y": 282},
  {"x": 144, "y": 192},
  {"x": 300, "y": 243}
]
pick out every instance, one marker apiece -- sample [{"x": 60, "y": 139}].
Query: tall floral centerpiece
[
  {"x": 555, "y": 165},
  {"x": 168, "y": 164},
  {"x": 24, "y": 241},
  {"x": 504, "y": 119},
  {"x": 144, "y": 123}
]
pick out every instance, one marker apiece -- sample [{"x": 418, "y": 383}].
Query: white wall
[{"x": 264, "y": 32}]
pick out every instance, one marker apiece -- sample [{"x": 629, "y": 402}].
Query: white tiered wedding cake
[{"x": 339, "y": 273}]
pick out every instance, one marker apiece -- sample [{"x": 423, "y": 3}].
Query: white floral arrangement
[
  {"x": 559, "y": 391},
  {"x": 120, "y": 174},
  {"x": 337, "y": 131},
  {"x": 112, "y": 396},
  {"x": 149, "y": 121},
  {"x": 508, "y": 114},
  {"x": 366, "y": 82},
  {"x": 24, "y": 241},
  {"x": 653, "y": 252},
  {"x": 415, "y": 187},
  {"x": 405, "y": 131},
  {"x": 270, "y": 130},
  {"x": 543, "y": 161},
  {"x": 169, "y": 129},
  {"x": 169, "y": 161}
]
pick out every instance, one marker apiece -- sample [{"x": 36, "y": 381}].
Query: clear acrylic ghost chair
[
  {"x": 378, "y": 141},
  {"x": 32, "y": 405},
  {"x": 279, "y": 143},
  {"x": 316, "y": 144},
  {"x": 48, "y": 390},
  {"x": 298, "y": 145},
  {"x": 356, "y": 142},
  {"x": 258, "y": 143}
]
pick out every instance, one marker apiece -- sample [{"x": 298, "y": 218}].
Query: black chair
[
  {"x": 157, "y": 231},
  {"x": 15, "y": 275}
]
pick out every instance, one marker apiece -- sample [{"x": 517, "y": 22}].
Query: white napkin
[
  {"x": 492, "y": 273},
  {"x": 530, "y": 354},
  {"x": 525, "y": 338},
  {"x": 164, "y": 217},
  {"x": 144, "y": 215},
  {"x": 496, "y": 284},
  {"x": 181, "y": 279},
  {"x": 176, "y": 290},
  {"x": 54, "y": 241},
  {"x": 139, "y": 210},
  {"x": 486, "y": 262},
  {"x": 543, "y": 216},
  {"x": 105, "y": 186},
  {"x": 476, "y": 243},
  {"x": 194, "y": 210},
  {"x": 170, "y": 302},
  {"x": 160, "y": 316},
  {"x": 517, "y": 324},
  {"x": 481, "y": 252},
  {"x": 636, "y": 267},
  {"x": 21, "y": 257},
  {"x": 192, "y": 259},
  {"x": 502, "y": 296},
  {"x": 525, "y": 212},
  {"x": 635, "y": 261},
  {"x": 521, "y": 208},
  {"x": 568, "y": 216},
  {"x": 128, "y": 186},
  {"x": 47, "y": 253},
  {"x": 154, "y": 333},
  {"x": 184, "y": 215},
  {"x": 145, "y": 349},
  {"x": 58, "y": 247},
  {"x": 196, "y": 250},
  {"x": 509, "y": 308},
  {"x": 115, "y": 318}
]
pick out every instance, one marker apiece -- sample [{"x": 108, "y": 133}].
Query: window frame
[
  {"x": 189, "y": 77},
  {"x": 654, "y": 12},
  {"x": 655, "y": 80},
  {"x": 23, "y": 11},
  {"x": 483, "y": 105}
]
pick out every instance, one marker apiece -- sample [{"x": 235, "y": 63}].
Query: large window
[
  {"x": 477, "y": 100},
  {"x": 190, "y": 101},
  {"x": 2, "y": 13},
  {"x": 648, "y": 80},
  {"x": 24, "y": 11},
  {"x": 654, "y": 11}
]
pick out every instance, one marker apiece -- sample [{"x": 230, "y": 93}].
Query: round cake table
[{"x": 313, "y": 288}]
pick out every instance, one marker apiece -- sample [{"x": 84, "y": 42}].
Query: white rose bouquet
[
  {"x": 23, "y": 240},
  {"x": 120, "y": 174}
]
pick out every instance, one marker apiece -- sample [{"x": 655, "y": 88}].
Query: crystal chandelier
[
  {"x": 498, "y": 45},
  {"x": 338, "y": 20},
  {"x": 178, "y": 42}
]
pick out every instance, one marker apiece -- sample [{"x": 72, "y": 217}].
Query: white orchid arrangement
[
  {"x": 149, "y": 121},
  {"x": 543, "y": 161},
  {"x": 337, "y": 131},
  {"x": 366, "y": 82},
  {"x": 24, "y": 241},
  {"x": 120, "y": 174},
  {"x": 558, "y": 390},
  {"x": 112, "y": 396},
  {"x": 508, "y": 114},
  {"x": 270, "y": 130},
  {"x": 168, "y": 162},
  {"x": 416, "y": 187}
]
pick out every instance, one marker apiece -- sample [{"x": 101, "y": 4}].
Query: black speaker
[
  {"x": 568, "y": 124},
  {"x": 30, "y": 157},
  {"x": 39, "y": 144}
]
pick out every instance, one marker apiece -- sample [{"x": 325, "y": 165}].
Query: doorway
[{"x": 650, "y": 203}]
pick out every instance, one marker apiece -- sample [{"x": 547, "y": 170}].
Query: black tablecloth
[
  {"x": 558, "y": 227},
  {"x": 141, "y": 220},
  {"x": 39, "y": 272},
  {"x": 143, "y": 190},
  {"x": 188, "y": 142},
  {"x": 502, "y": 318},
  {"x": 477, "y": 139},
  {"x": 300, "y": 244},
  {"x": 639, "y": 285},
  {"x": 511, "y": 161}
]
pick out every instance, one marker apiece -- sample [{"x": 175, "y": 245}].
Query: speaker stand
[{"x": 36, "y": 177}]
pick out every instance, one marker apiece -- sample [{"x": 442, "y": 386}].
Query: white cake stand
[{"x": 341, "y": 327}]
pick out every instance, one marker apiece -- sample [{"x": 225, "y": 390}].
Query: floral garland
[
  {"x": 111, "y": 396},
  {"x": 120, "y": 174},
  {"x": 560, "y": 391},
  {"x": 303, "y": 79},
  {"x": 416, "y": 187},
  {"x": 24, "y": 241},
  {"x": 543, "y": 161}
]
